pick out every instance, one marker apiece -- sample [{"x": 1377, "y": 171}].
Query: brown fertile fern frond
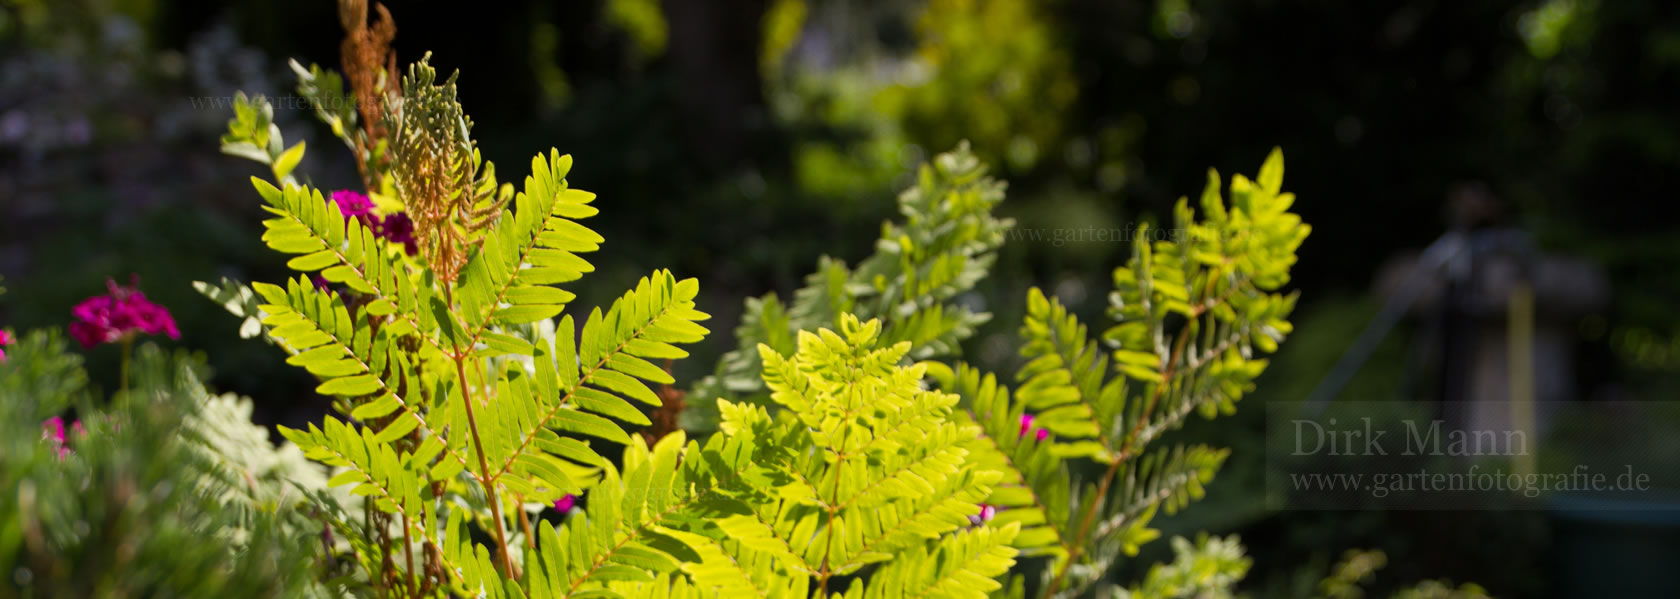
[
  {"x": 370, "y": 68},
  {"x": 663, "y": 420},
  {"x": 448, "y": 188}
]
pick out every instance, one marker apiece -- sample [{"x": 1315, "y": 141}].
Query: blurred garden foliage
[{"x": 161, "y": 490}]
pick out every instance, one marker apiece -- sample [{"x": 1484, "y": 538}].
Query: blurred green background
[{"x": 738, "y": 140}]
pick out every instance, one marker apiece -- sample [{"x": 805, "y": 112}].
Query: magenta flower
[
  {"x": 5, "y": 340},
  {"x": 52, "y": 429},
  {"x": 122, "y": 313},
  {"x": 352, "y": 203},
  {"x": 987, "y": 512},
  {"x": 1026, "y": 426},
  {"x": 398, "y": 228},
  {"x": 565, "y": 504}
]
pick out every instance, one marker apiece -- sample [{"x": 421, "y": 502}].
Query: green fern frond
[
  {"x": 863, "y": 466},
  {"x": 727, "y": 569},
  {"x": 1033, "y": 490},
  {"x": 963, "y": 567},
  {"x": 875, "y": 535},
  {"x": 945, "y": 245},
  {"x": 353, "y": 360},
  {"x": 375, "y": 468},
  {"x": 393, "y": 482},
  {"x": 537, "y": 245},
  {"x": 623, "y": 541},
  {"x": 1064, "y": 386},
  {"x": 1170, "y": 479},
  {"x": 582, "y": 386},
  {"x": 1192, "y": 310},
  {"x": 1218, "y": 285},
  {"x": 345, "y": 252},
  {"x": 598, "y": 546}
]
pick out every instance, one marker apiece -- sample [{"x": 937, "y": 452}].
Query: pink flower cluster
[
  {"x": 1026, "y": 425},
  {"x": 123, "y": 312},
  {"x": 5, "y": 340},
  {"x": 395, "y": 228},
  {"x": 52, "y": 429},
  {"x": 565, "y": 504}
]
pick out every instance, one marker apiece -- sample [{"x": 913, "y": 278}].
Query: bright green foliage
[
  {"x": 862, "y": 478},
  {"x": 871, "y": 468},
  {"x": 473, "y": 399},
  {"x": 468, "y": 405},
  {"x": 1191, "y": 310},
  {"x": 946, "y": 244},
  {"x": 860, "y": 486}
]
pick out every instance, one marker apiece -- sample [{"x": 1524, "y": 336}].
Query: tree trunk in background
[{"x": 713, "y": 52}]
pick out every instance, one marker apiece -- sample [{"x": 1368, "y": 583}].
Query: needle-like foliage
[{"x": 159, "y": 490}]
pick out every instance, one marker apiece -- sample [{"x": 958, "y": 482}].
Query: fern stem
[
  {"x": 1127, "y": 451},
  {"x": 584, "y": 377},
  {"x": 367, "y": 525},
  {"x": 408, "y": 553},
  {"x": 525, "y": 522},
  {"x": 484, "y": 478},
  {"x": 1168, "y": 370},
  {"x": 1085, "y": 521},
  {"x": 828, "y": 551}
]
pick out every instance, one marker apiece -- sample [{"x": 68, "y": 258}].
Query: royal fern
[
  {"x": 859, "y": 487},
  {"x": 471, "y": 396},
  {"x": 468, "y": 404},
  {"x": 1075, "y": 439}
]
